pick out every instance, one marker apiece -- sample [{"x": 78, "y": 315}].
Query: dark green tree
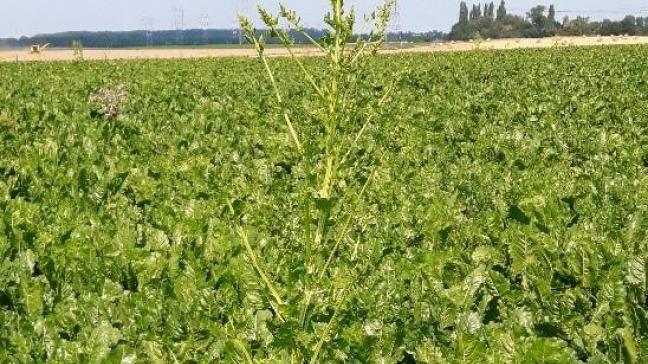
[
  {"x": 629, "y": 25},
  {"x": 476, "y": 12},
  {"x": 462, "y": 29},
  {"x": 579, "y": 26},
  {"x": 463, "y": 13},
  {"x": 536, "y": 15},
  {"x": 609, "y": 27},
  {"x": 538, "y": 22},
  {"x": 551, "y": 26},
  {"x": 552, "y": 14},
  {"x": 642, "y": 25},
  {"x": 490, "y": 11},
  {"x": 501, "y": 11}
]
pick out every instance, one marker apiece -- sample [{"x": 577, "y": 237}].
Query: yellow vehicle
[{"x": 38, "y": 49}]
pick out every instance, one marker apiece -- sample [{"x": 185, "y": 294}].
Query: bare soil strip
[{"x": 184, "y": 53}]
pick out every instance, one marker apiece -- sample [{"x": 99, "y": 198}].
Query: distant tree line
[
  {"x": 414, "y": 37},
  {"x": 630, "y": 25},
  {"x": 140, "y": 38},
  {"x": 137, "y": 38},
  {"x": 484, "y": 21}
]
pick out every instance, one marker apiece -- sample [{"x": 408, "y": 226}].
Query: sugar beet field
[{"x": 493, "y": 209}]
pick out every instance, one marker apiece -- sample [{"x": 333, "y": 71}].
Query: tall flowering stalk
[{"x": 323, "y": 143}]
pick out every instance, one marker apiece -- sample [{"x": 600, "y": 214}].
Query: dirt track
[{"x": 111, "y": 54}]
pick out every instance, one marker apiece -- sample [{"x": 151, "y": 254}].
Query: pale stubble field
[{"x": 182, "y": 53}]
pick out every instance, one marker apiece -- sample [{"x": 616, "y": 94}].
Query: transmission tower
[
  {"x": 395, "y": 28},
  {"x": 243, "y": 9},
  {"x": 178, "y": 23},
  {"x": 147, "y": 25},
  {"x": 204, "y": 24}
]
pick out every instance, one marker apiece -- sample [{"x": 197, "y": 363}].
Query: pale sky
[{"x": 29, "y": 17}]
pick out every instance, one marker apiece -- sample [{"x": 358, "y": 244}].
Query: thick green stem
[
  {"x": 344, "y": 231},
  {"x": 327, "y": 329},
  {"x": 260, "y": 271},
  {"x": 293, "y": 133}
]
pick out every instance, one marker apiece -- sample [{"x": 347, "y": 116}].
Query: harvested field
[{"x": 157, "y": 53}]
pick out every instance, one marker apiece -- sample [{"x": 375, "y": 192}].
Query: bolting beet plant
[{"x": 325, "y": 137}]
